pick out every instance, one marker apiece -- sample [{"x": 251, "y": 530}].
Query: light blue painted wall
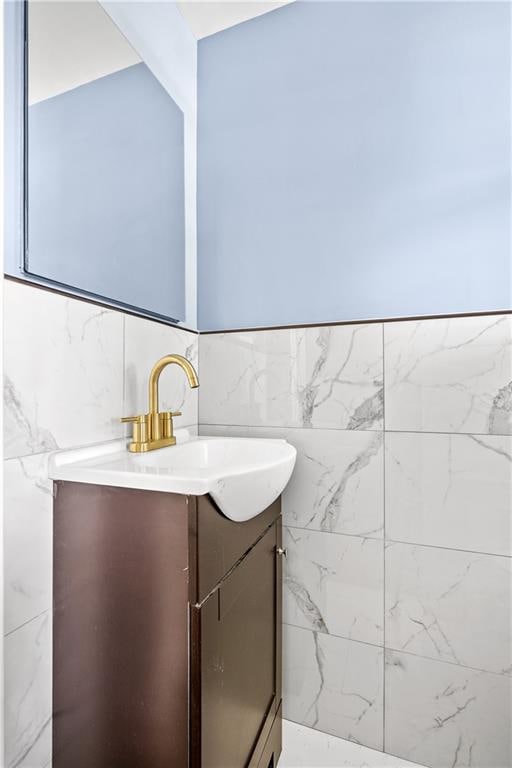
[
  {"x": 354, "y": 162},
  {"x": 106, "y": 191}
]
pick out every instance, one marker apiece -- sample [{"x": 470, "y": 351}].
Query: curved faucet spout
[
  {"x": 154, "y": 429},
  {"x": 157, "y": 369}
]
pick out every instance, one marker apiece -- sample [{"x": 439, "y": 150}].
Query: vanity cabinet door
[
  {"x": 236, "y": 658},
  {"x": 219, "y": 542}
]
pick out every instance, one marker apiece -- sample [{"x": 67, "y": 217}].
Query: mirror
[{"x": 104, "y": 185}]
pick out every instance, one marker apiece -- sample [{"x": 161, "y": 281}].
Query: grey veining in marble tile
[
  {"x": 446, "y": 716},
  {"x": 63, "y": 363},
  {"x": 145, "y": 343},
  {"x": 19, "y": 430},
  {"x": 338, "y": 481},
  {"x": 449, "y": 605},
  {"x": 450, "y": 490},
  {"x": 28, "y": 695},
  {"x": 500, "y": 417},
  {"x": 334, "y": 685},
  {"x": 28, "y": 503},
  {"x": 340, "y": 376},
  {"x": 334, "y": 584},
  {"x": 450, "y": 375},
  {"x": 311, "y": 377}
]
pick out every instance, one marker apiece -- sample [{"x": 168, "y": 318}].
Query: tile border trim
[
  {"x": 373, "y": 320},
  {"x": 250, "y": 329}
]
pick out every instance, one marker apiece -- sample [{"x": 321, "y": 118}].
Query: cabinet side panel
[{"x": 120, "y": 628}]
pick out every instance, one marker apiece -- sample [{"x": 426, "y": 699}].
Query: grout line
[
  {"x": 27, "y": 622},
  {"x": 398, "y": 650},
  {"x": 361, "y": 536},
  {"x": 331, "y": 634},
  {"x": 450, "y": 434},
  {"x": 283, "y": 426},
  {"x": 395, "y": 541},
  {"x": 356, "y": 431},
  {"x": 447, "y": 549},
  {"x": 451, "y": 663}
]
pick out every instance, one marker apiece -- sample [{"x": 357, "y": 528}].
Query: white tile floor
[{"x": 306, "y": 748}]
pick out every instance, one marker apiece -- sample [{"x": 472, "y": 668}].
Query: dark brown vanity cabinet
[{"x": 167, "y": 632}]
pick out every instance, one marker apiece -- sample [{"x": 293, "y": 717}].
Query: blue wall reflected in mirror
[{"x": 102, "y": 184}]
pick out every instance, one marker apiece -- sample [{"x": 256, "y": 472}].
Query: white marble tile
[
  {"x": 444, "y": 715},
  {"x": 28, "y": 504},
  {"x": 306, "y": 748},
  {"x": 334, "y": 584},
  {"x": 63, "y": 367},
  {"x": 311, "y": 377},
  {"x": 449, "y": 605},
  {"x": 145, "y": 343},
  {"x": 450, "y": 490},
  {"x": 338, "y": 481},
  {"x": 28, "y": 695},
  {"x": 449, "y": 375},
  {"x": 247, "y": 378},
  {"x": 340, "y": 376},
  {"x": 333, "y": 685}
]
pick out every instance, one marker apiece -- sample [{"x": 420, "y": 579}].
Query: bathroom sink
[{"x": 242, "y": 475}]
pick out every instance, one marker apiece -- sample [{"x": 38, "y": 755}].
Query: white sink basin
[{"x": 243, "y": 475}]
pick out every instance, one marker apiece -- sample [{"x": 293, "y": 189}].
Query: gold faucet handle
[
  {"x": 140, "y": 427},
  {"x": 166, "y": 425}
]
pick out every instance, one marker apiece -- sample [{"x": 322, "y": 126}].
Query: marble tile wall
[
  {"x": 398, "y": 520},
  {"x": 71, "y": 370},
  {"x": 398, "y": 524}
]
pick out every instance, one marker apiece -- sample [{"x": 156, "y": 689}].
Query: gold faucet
[{"x": 154, "y": 429}]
